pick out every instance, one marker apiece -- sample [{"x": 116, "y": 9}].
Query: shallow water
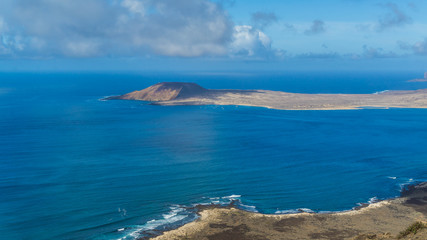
[{"x": 74, "y": 167}]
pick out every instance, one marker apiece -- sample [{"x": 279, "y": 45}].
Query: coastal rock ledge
[{"x": 403, "y": 218}]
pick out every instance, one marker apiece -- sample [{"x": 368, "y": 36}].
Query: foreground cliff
[
  {"x": 400, "y": 218},
  {"x": 177, "y": 93}
]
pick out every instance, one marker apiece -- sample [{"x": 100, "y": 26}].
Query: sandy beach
[{"x": 382, "y": 220}]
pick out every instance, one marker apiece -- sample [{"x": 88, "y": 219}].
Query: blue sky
[{"x": 212, "y": 35}]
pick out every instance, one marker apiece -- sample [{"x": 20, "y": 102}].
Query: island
[{"x": 181, "y": 93}]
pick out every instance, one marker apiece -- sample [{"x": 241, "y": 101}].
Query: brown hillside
[{"x": 164, "y": 92}]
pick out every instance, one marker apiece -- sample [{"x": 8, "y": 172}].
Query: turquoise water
[{"x": 75, "y": 167}]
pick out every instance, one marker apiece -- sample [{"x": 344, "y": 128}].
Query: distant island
[
  {"x": 181, "y": 93},
  {"x": 419, "y": 79}
]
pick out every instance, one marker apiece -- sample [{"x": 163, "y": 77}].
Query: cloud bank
[
  {"x": 317, "y": 27},
  {"x": 53, "y": 29},
  {"x": 91, "y": 28},
  {"x": 418, "y": 48}
]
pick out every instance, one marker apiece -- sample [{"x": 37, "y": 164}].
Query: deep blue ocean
[{"x": 75, "y": 167}]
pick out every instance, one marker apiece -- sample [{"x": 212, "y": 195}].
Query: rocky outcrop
[{"x": 399, "y": 218}]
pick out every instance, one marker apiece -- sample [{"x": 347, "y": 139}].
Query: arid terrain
[{"x": 390, "y": 219}]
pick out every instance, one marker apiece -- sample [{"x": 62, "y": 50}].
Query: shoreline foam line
[{"x": 180, "y": 215}]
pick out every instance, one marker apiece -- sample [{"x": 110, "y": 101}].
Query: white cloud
[
  {"x": 250, "y": 42},
  {"x": 134, "y": 6},
  {"x": 418, "y": 48},
  {"x": 3, "y": 49},
  {"x": 87, "y": 28},
  {"x": 12, "y": 43},
  {"x": 81, "y": 48}
]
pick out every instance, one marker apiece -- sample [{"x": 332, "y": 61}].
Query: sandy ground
[
  {"x": 297, "y": 101},
  {"x": 382, "y": 220}
]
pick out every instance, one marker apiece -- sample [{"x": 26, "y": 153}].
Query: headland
[
  {"x": 178, "y": 93},
  {"x": 399, "y": 218}
]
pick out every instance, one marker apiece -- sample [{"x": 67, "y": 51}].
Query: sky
[{"x": 213, "y": 35}]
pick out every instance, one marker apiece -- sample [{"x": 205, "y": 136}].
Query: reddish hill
[{"x": 164, "y": 91}]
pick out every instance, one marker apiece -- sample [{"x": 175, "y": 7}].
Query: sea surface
[{"x": 75, "y": 167}]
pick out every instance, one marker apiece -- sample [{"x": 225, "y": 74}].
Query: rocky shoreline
[{"x": 386, "y": 219}]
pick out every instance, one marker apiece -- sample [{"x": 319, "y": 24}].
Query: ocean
[{"x": 75, "y": 167}]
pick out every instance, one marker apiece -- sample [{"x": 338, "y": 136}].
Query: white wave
[
  {"x": 178, "y": 213},
  {"x": 379, "y": 92},
  {"x": 329, "y": 212},
  {"x": 175, "y": 210},
  {"x": 222, "y": 201},
  {"x": 248, "y": 208},
  {"x": 307, "y": 210},
  {"x": 233, "y": 196},
  {"x": 103, "y": 99},
  {"x": 292, "y": 211},
  {"x": 373, "y": 200},
  {"x": 175, "y": 215},
  {"x": 402, "y": 185},
  {"x": 392, "y": 178}
]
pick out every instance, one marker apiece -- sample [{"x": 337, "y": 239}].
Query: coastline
[
  {"x": 379, "y": 220},
  {"x": 299, "y": 101}
]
